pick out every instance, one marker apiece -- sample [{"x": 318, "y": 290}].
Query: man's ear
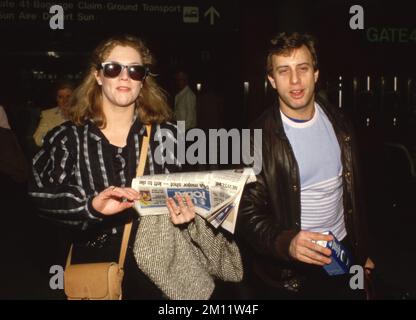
[
  {"x": 316, "y": 75},
  {"x": 98, "y": 78},
  {"x": 271, "y": 80}
]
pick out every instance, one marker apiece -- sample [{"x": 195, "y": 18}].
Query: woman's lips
[
  {"x": 297, "y": 94},
  {"x": 123, "y": 89}
]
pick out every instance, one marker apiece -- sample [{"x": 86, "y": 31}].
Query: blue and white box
[{"x": 341, "y": 257}]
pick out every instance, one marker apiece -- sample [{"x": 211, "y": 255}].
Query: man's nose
[{"x": 294, "y": 77}]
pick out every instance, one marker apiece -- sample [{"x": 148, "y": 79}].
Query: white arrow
[{"x": 212, "y": 12}]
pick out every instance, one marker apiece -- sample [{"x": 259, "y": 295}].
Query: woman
[{"x": 82, "y": 173}]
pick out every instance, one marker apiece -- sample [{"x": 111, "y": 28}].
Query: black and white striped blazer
[{"x": 77, "y": 162}]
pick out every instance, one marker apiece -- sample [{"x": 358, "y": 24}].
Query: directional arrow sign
[{"x": 212, "y": 12}]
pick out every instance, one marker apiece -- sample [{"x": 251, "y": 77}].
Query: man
[
  {"x": 53, "y": 117},
  {"x": 185, "y": 101},
  {"x": 308, "y": 185}
]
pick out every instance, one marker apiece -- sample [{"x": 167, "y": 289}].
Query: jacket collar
[
  {"x": 278, "y": 120},
  {"x": 136, "y": 127}
]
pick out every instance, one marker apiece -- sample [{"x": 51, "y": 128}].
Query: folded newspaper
[{"x": 215, "y": 194}]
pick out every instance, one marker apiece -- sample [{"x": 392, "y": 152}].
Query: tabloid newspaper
[{"x": 215, "y": 194}]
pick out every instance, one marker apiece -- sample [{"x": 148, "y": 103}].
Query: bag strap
[
  {"x": 68, "y": 259},
  {"x": 124, "y": 243},
  {"x": 143, "y": 154},
  {"x": 139, "y": 172},
  {"x": 127, "y": 227}
]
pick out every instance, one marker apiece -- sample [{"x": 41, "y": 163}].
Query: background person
[{"x": 53, "y": 117}]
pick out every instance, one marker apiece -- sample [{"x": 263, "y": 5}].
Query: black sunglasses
[{"x": 113, "y": 69}]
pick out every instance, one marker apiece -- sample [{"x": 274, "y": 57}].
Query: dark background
[{"x": 232, "y": 51}]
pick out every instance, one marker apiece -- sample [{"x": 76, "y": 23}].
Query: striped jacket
[{"x": 77, "y": 162}]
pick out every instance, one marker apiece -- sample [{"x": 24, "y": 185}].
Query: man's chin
[{"x": 297, "y": 105}]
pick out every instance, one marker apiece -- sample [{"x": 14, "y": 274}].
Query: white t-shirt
[{"x": 318, "y": 155}]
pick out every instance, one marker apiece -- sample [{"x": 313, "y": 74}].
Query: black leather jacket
[{"x": 270, "y": 209}]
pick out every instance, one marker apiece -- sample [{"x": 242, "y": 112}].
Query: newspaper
[{"x": 215, "y": 194}]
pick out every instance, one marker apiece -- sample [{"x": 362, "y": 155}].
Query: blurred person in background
[
  {"x": 53, "y": 117},
  {"x": 185, "y": 100}
]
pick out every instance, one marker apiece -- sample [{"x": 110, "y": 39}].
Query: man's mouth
[{"x": 297, "y": 94}]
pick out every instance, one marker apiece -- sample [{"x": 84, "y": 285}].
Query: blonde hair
[{"x": 86, "y": 102}]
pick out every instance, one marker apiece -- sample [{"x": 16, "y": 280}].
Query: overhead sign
[
  {"x": 190, "y": 14},
  {"x": 185, "y": 15},
  {"x": 391, "y": 35},
  {"x": 212, "y": 13}
]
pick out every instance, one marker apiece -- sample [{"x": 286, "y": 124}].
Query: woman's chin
[{"x": 124, "y": 103}]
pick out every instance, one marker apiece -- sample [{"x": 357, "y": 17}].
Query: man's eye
[
  {"x": 282, "y": 71},
  {"x": 304, "y": 69}
]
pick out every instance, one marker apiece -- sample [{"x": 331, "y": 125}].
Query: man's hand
[{"x": 302, "y": 248}]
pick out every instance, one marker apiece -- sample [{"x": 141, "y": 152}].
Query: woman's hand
[
  {"x": 183, "y": 213},
  {"x": 114, "y": 200}
]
